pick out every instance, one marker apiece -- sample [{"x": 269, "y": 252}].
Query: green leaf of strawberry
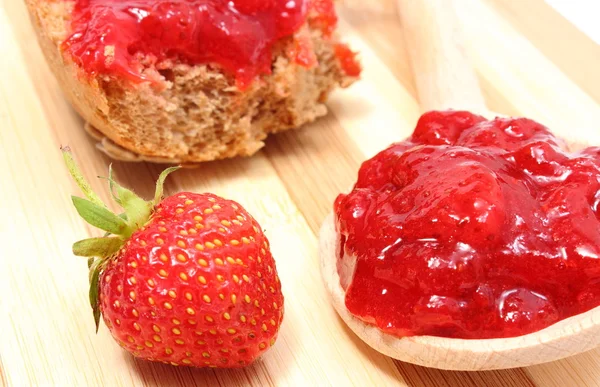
[
  {"x": 188, "y": 280},
  {"x": 97, "y": 247},
  {"x": 100, "y": 217},
  {"x": 95, "y": 270},
  {"x": 137, "y": 210}
]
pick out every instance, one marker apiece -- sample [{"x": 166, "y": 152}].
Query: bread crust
[
  {"x": 196, "y": 113},
  {"x": 568, "y": 337}
]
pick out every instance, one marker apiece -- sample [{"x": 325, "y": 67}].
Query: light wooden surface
[
  {"x": 530, "y": 61},
  {"x": 444, "y": 75}
]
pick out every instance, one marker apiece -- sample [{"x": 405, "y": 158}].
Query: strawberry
[{"x": 188, "y": 280}]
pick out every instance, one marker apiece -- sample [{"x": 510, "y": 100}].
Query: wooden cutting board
[{"x": 531, "y": 62}]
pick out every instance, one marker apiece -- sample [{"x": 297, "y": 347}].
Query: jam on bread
[{"x": 123, "y": 37}]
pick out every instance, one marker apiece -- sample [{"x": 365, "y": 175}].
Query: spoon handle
[{"x": 444, "y": 76}]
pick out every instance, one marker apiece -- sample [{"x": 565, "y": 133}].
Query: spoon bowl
[
  {"x": 445, "y": 79},
  {"x": 568, "y": 337}
]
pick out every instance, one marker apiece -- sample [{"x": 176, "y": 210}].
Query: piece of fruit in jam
[
  {"x": 472, "y": 229},
  {"x": 126, "y": 37}
]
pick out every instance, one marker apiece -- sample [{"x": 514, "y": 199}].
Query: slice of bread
[{"x": 197, "y": 113}]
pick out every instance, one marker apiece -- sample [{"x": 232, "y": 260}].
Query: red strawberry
[{"x": 188, "y": 280}]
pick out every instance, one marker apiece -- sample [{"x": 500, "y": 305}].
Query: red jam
[
  {"x": 472, "y": 229},
  {"x": 122, "y": 37},
  {"x": 348, "y": 61},
  {"x": 323, "y": 16}
]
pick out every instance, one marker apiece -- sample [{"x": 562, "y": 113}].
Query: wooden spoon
[{"x": 445, "y": 79}]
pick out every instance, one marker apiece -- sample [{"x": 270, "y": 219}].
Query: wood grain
[
  {"x": 443, "y": 73},
  {"x": 47, "y": 336},
  {"x": 553, "y": 35}
]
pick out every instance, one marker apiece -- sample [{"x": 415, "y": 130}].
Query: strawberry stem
[
  {"x": 78, "y": 177},
  {"x": 161, "y": 182},
  {"x": 101, "y": 250}
]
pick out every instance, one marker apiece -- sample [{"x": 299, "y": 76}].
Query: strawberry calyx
[{"x": 118, "y": 227}]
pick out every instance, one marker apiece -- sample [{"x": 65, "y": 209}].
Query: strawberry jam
[
  {"x": 123, "y": 37},
  {"x": 472, "y": 229}
]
